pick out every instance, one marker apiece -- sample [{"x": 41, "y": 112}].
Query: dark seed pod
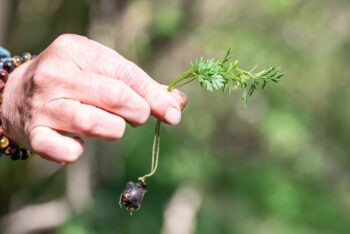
[{"x": 132, "y": 196}]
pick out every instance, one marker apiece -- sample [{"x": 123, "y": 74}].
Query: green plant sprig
[
  {"x": 226, "y": 76},
  {"x": 221, "y": 75}
]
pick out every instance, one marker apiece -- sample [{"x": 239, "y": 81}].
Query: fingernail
[{"x": 173, "y": 116}]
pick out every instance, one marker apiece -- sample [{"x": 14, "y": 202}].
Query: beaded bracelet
[{"x": 7, "y": 65}]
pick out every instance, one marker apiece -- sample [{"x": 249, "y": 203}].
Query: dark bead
[
  {"x": 17, "y": 60},
  {"x": 16, "y": 156},
  {"x": 19, "y": 154},
  {"x": 26, "y": 154},
  {"x": 10, "y": 150},
  {"x": 8, "y": 66},
  {"x": 4, "y": 75},
  {"x": 26, "y": 56},
  {"x": 22, "y": 153},
  {"x": 133, "y": 194}
]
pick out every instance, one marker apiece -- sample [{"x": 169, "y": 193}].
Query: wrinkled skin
[{"x": 80, "y": 86}]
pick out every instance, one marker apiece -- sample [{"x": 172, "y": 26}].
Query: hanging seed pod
[{"x": 132, "y": 196}]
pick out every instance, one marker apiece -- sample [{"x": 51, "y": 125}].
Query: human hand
[{"x": 80, "y": 86}]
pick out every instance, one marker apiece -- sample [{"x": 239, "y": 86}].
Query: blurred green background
[{"x": 280, "y": 166}]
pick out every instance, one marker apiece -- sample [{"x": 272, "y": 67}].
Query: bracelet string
[{"x": 7, "y": 65}]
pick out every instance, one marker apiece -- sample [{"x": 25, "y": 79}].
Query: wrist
[{"x": 8, "y": 122}]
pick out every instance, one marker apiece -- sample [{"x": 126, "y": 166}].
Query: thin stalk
[
  {"x": 154, "y": 148},
  {"x": 156, "y": 139},
  {"x": 181, "y": 77},
  {"x": 183, "y": 84},
  {"x": 155, "y": 153}
]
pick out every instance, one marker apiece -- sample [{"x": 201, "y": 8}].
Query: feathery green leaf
[{"x": 226, "y": 76}]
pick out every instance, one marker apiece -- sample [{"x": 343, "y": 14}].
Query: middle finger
[{"x": 108, "y": 94}]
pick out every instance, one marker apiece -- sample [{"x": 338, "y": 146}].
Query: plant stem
[
  {"x": 181, "y": 77},
  {"x": 185, "y": 83},
  {"x": 155, "y": 153},
  {"x": 156, "y": 139}
]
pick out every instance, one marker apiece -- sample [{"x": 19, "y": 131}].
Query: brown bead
[
  {"x": 26, "y": 56},
  {"x": 2, "y": 85},
  {"x": 4, "y": 75},
  {"x": 17, "y": 60},
  {"x": 4, "y": 142}
]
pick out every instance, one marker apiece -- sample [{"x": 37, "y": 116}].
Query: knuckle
[
  {"x": 114, "y": 97},
  {"x": 40, "y": 75},
  {"x": 61, "y": 41},
  {"x": 145, "y": 111},
  {"x": 126, "y": 70},
  {"x": 44, "y": 72},
  {"x": 83, "y": 123},
  {"x": 65, "y": 41}
]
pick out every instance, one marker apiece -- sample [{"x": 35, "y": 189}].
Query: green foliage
[
  {"x": 226, "y": 76},
  {"x": 168, "y": 21}
]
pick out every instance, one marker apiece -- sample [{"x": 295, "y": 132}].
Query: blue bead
[
  {"x": 2, "y": 60},
  {"x": 4, "y": 53},
  {"x": 5, "y": 59}
]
